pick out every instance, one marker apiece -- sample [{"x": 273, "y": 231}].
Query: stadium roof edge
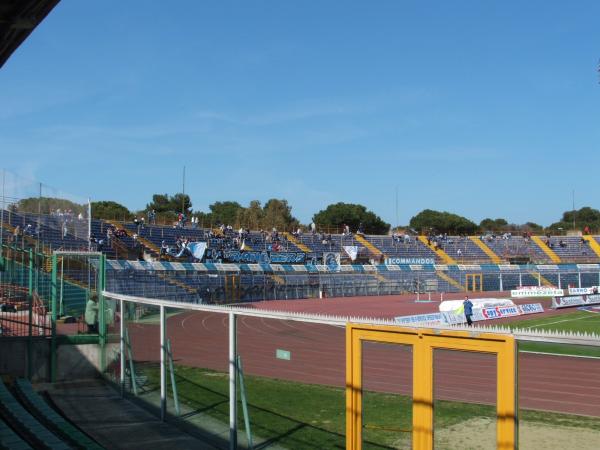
[{"x": 18, "y": 18}]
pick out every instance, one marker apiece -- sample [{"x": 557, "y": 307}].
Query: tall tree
[
  {"x": 493, "y": 225},
  {"x": 166, "y": 205},
  {"x": 110, "y": 210},
  {"x": 430, "y": 220},
  {"x": 227, "y": 213},
  {"x": 252, "y": 216},
  {"x": 583, "y": 217},
  {"x": 47, "y": 205},
  {"x": 339, "y": 214},
  {"x": 278, "y": 214}
]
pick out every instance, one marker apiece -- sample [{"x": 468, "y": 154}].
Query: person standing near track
[{"x": 468, "y": 307}]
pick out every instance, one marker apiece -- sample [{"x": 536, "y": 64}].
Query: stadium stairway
[
  {"x": 278, "y": 279},
  {"x": 290, "y": 237},
  {"x": 145, "y": 242},
  {"x": 439, "y": 252},
  {"x": 488, "y": 251},
  {"x": 448, "y": 279},
  {"x": 593, "y": 244},
  {"x": 360, "y": 238},
  {"x": 175, "y": 282},
  {"x": 547, "y": 250}
]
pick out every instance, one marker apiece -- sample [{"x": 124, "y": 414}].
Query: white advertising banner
[
  {"x": 583, "y": 291},
  {"x": 566, "y": 301},
  {"x": 491, "y": 312},
  {"x": 536, "y": 291}
]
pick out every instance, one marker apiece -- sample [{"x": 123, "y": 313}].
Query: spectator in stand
[
  {"x": 152, "y": 217},
  {"x": 361, "y": 229},
  {"x": 586, "y": 230},
  {"x": 459, "y": 253}
]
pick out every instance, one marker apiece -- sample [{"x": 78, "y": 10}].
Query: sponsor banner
[
  {"x": 593, "y": 299},
  {"x": 454, "y": 317},
  {"x": 497, "y": 312},
  {"x": 237, "y": 256},
  {"x": 419, "y": 318},
  {"x": 531, "y": 308},
  {"x": 390, "y": 261},
  {"x": 568, "y": 300},
  {"x": 583, "y": 291},
  {"x": 536, "y": 291},
  {"x": 492, "y": 312}
]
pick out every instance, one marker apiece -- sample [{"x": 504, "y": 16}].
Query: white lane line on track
[
  {"x": 559, "y": 354},
  {"x": 557, "y": 321}
]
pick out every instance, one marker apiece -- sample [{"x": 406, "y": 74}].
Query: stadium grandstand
[{"x": 123, "y": 334}]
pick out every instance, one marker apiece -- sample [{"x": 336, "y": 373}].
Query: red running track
[{"x": 552, "y": 383}]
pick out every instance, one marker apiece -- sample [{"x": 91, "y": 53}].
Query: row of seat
[
  {"x": 461, "y": 249},
  {"x": 27, "y": 421}
]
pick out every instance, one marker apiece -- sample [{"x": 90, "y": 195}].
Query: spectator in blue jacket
[{"x": 468, "y": 307}]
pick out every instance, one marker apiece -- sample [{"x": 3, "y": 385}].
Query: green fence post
[
  {"x": 173, "y": 382},
  {"x": 101, "y": 311},
  {"x": 54, "y": 317},
  {"x": 30, "y": 319},
  {"x": 131, "y": 364},
  {"x": 244, "y": 402}
]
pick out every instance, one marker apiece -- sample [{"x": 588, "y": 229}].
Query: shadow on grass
[{"x": 270, "y": 425}]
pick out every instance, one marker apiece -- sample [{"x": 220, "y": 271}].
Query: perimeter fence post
[
  {"x": 122, "y": 346},
  {"x": 53, "y": 294},
  {"x": 102, "y": 311},
  {"x": 30, "y": 318},
  {"x": 244, "y": 403},
  {"x": 173, "y": 382},
  {"x": 232, "y": 383},
  {"x": 163, "y": 367}
]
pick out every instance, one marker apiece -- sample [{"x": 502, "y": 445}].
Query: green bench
[
  {"x": 51, "y": 418},
  {"x": 18, "y": 416}
]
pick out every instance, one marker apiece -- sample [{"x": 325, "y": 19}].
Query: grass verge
[{"x": 304, "y": 416}]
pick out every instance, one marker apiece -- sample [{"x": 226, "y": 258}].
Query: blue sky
[{"x": 466, "y": 106}]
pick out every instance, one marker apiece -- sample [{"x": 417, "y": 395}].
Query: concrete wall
[{"x": 74, "y": 362}]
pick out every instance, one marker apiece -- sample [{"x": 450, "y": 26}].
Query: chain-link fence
[
  {"x": 238, "y": 286},
  {"x": 41, "y": 216}
]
